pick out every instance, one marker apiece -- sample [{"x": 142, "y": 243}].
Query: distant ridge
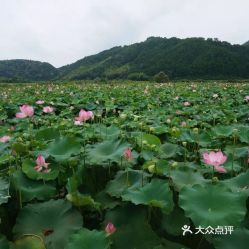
[
  {"x": 246, "y": 44},
  {"x": 26, "y": 70},
  {"x": 191, "y": 58}
]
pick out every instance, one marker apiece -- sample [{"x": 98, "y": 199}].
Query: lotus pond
[{"x": 124, "y": 166}]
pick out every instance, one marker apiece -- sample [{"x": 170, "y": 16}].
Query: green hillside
[
  {"x": 26, "y": 70},
  {"x": 192, "y": 58}
]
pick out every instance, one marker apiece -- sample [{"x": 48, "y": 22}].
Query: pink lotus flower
[
  {"x": 110, "y": 228},
  {"x": 247, "y": 98},
  {"x": 176, "y": 98},
  {"x": 128, "y": 154},
  {"x": 5, "y": 139},
  {"x": 186, "y": 103},
  {"x": 26, "y": 111},
  {"x": 83, "y": 116},
  {"x": 39, "y": 102},
  {"x": 215, "y": 159},
  {"x": 41, "y": 165},
  {"x": 48, "y": 109}
]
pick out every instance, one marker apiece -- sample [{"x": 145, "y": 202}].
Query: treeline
[
  {"x": 26, "y": 71},
  {"x": 192, "y": 58}
]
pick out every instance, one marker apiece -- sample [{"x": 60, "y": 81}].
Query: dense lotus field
[{"x": 124, "y": 166}]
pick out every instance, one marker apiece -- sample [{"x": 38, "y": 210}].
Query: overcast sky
[{"x": 63, "y": 31}]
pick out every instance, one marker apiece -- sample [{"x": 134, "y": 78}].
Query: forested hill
[
  {"x": 192, "y": 58},
  {"x": 26, "y": 70},
  {"x": 246, "y": 44}
]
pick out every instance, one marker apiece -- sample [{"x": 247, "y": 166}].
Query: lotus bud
[
  {"x": 25, "y": 135},
  {"x": 215, "y": 180},
  {"x": 174, "y": 129},
  {"x": 184, "y": 144},
  {"x": 196, "y": 130},
  {"x": 235, "y": 130},
  {"x": 110, "y": 229},
  {"x": 123, "y": 116},
  {"x": 152, "y": 129},
  {"x": 174, "y": 164},
  {"x": 19, "y": 139},
  {"x": 151, "y": 168},
  {"x": 144, "y": 142}
]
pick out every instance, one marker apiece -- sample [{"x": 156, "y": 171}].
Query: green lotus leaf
[
  {"x": 174, "y": 221},
  {"x": 156, "y": 193},
  {"x": 80, "y": 200},
  {"x": 132, "y": 227},
  {"x": 4, "y": 191},
  {"x": 4, "y": 243},
  {"x": 63, "y": 148},
  {"x": 124, "y": 180},
  {"x": 160, "y": 129},
  {"x": 223, "y": 131},
  {"x": 20, "y": 148},
  {"x": 107, "y": 151},
  {"x": 160, "y": 167},
  {"x": 110, "y": 132},
  {"x": 244, "y": 134},
  {"x": 29, "y": 189},
  {"x": 212, "y": 205},
  {"x": 146, "y": 154},
  {"x": 73, "y": 183},
  {"x": 239, "y": 184},
  {"x": 204, "y": 139},
  {"x": 237, "y": 152},
  {"x": 238, "y": 239},
  {"x": 5, "y": 159},
  {"x": 149, "y": 139},
  {"x": 188, "y": 136},
  {"x": 54, "y": 221},
  {"x": 86, "y": 239},
  {"x": 30, "y": 172},
  {"x": 28, "y": 242},
  {"x": 232, "y": 165},
  {"x": 184, "y": 176},
  {"x": 169, "y": 150},
  {"x": 3, "y": 146},
  {"x": 170, "y": 245},
  {"x": 47, "y": 134},
  {"x": 106, "y": 201}
]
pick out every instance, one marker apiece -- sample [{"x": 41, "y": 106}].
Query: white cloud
[{"x": 62, "y": 31}]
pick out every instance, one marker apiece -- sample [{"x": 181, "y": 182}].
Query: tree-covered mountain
[
  {"x": 246, "y": 44},
  {"x": 191, "y": 58},
  {"x": 26, "y": 70}
]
